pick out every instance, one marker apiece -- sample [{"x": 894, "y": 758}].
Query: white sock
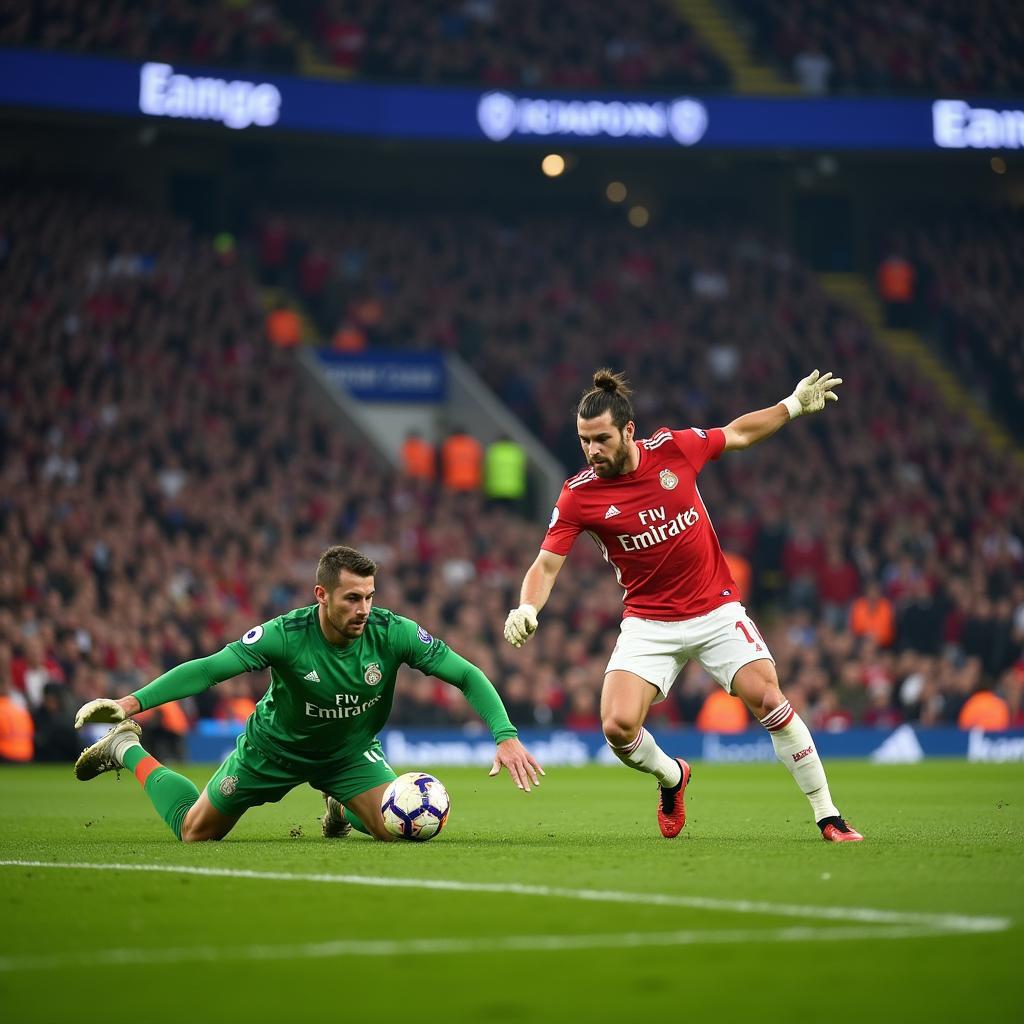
[
  {"x": 645, "y": 755},
  {"x": 121, "y": 743},
  {"x": 796, "y": 750}
]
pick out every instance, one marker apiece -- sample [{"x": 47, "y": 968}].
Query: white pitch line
[
  {"x": 433, "y": 947},
  {"x": 862, "y": 915}
]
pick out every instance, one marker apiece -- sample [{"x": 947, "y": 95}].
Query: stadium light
[
  {"x": 616, "y": 191},
  {"x": 553, "y": 165},
  {"x": 639, "y": 216}
]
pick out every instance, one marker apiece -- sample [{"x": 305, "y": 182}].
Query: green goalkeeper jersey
[{"x": 327, "y": 702}]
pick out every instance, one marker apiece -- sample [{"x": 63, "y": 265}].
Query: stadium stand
[
  {"x": 166, "y": 485},
  {"x": 967, "y": 267},
  {"x": 880, "y": 46},
  {"x": 248, "y": 35},
  {"x": 527, "y": 43}
]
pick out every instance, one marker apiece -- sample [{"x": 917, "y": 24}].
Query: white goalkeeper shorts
[{"x": 723, "y": 641}]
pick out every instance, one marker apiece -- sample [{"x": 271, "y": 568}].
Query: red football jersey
[{"x": 652, "y": 526}]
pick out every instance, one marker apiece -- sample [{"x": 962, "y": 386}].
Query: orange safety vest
[
  {"x": 418, "y": 459},
  {"x": 462, "y": 463},
  {"x": 896, "y": 280},
  {"x": 985, "y": 710},
  {"x": 722, "y": 713},
  {"x": 16, "y": 731},
  {"x": 878, "y": 621},
  {"x": 284, "y": 328}
]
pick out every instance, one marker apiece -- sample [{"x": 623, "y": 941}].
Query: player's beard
[
  {"x": 349, "y": 630},
  {"x": 616, "y": 462}
]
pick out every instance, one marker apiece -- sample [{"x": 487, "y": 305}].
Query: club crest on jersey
[
  {"x": 669, "y": 480},
  {"x": 228, "y": 785},
  {"x": 373, "y": 675}
]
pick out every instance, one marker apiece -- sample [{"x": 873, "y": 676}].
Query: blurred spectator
[
  {"x": 16, "y": 727},
  {"x": 461, "y": 461},
  {"x": 54, "y": 722},
  {"x": 505, "y": 473},
  {"x": 985, "y": 710},
  {"x": 284, "y": 326},
  {"x": 872, "y": 615},
  {"x": 419, "y": 457},
  {"x": 721, "y": 712},
  {"x": 896, "y": 283}
]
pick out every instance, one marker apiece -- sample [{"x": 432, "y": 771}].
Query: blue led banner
[
  {"x": 388, "y": 376},
  {"x": 270, "y": 103},
  {"x": 214, "y": 740}
]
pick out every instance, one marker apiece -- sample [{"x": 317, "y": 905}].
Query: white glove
[
  {"x": 811, "y": 394},
  {"x": 520, "y": 624},
  {"x": 101, "y": 710}
]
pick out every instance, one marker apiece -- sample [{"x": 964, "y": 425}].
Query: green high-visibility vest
[{"x": 505, "y": 470}]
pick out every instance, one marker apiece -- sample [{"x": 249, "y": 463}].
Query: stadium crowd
[
  {"x": 963, "y": 274},
  {"x": 166, "y": 484},
  {"x": 247, "y": 34},
  {"x": 943, "y": 47},
  {"x": 525, "y": 43}
]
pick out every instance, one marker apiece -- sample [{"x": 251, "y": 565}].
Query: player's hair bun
[{"x": 615, "y": 383}]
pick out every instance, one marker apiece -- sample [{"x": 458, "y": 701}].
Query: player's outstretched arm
[
  {"x": 185, "y": 680},
  {"x": 521, "y": 622},
  {"x": 810, "y": 395},
  {"x": 521, "y": 764}
]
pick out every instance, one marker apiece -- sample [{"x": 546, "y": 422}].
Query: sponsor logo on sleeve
[
  {"x": 425, "y": 637},
  {"x": 253, "y": 635},
  {"x": 554, "y": 517},
  {"x": 228, "y": 785},
  {"x": 699, "y": 432}
]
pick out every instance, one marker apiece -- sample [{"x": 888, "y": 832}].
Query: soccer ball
[{"x": 415, "y": 806}]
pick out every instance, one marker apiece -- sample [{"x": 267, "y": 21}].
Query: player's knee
[{"x": 619, "y": 730}]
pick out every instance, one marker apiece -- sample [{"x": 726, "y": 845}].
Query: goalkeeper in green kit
[{"x": 332, "y": 682}]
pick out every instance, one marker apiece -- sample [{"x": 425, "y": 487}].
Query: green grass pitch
[{"x": 562, "y": 905}]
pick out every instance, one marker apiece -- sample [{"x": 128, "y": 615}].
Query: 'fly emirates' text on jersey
[{"x": 652, "y": 526}]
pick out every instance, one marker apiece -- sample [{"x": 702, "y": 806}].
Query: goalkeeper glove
[
  {"x": 101, "y": 710},
  {"x": 811, "y": 394},
  {"x": 520, "y": 624}
]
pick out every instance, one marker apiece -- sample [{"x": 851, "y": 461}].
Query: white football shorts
[{"x": 723, "y": 641}]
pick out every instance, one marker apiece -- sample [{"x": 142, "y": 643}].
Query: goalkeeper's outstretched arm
[
  {"x": 810, "y": 395},
  {"x": 185, "y": 680}
]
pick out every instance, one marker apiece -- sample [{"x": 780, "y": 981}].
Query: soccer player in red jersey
[{"x": 638, "y": 499}]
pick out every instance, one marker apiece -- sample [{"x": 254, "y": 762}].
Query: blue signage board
[
  {"x": 424, "y": 748},
  {"x": 240, "y": 101},
  {"x": 388, "y": 376}
]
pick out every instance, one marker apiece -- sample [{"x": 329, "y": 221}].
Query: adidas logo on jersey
[
  {"x": 612, "y": 511},
  {"x": 312, "y": 677}
]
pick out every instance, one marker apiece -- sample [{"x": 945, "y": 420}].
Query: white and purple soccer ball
[{"x": 415, "y": 806}]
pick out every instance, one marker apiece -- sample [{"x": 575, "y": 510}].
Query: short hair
[
  {"x": 610, "y": 392},
  {"x": 339, "y": 557}
]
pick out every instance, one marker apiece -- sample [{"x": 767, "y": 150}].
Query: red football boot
[
  {"x": 835, "y": 830},
  {"x": 671, "y": 807}
]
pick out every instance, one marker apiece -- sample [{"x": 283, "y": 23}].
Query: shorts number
[
  {"x": 742, "y": 627},
  {"x": 374, "y": 758}
]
